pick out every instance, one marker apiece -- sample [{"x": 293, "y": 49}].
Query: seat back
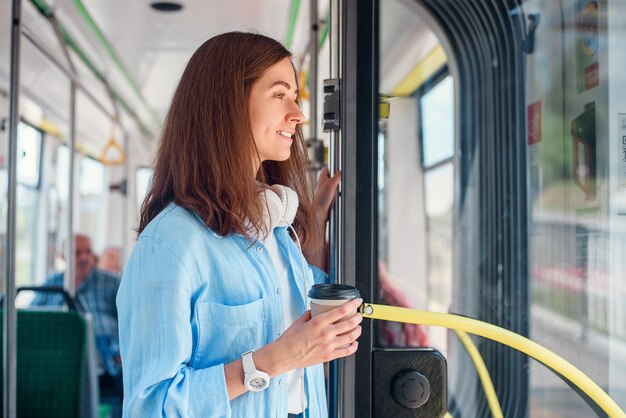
[{"x": 51, "y": 348}]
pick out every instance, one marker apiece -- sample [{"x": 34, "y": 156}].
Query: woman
[{"x": 217, "y": 271}]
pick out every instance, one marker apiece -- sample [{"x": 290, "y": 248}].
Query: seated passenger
[
  {"x": 96, "y": 290},
  {"x": 109, "y": 260}
]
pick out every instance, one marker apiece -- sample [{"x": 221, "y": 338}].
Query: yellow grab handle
[
  {"x": 483, "y": 373},
  {"x": 503, "y": 336}
]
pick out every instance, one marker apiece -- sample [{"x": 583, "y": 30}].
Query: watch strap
[{"x": 248, "y": 362}]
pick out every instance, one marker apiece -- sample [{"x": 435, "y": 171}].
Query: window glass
[
  {"x": 91, "y": 177},
  {"x": 28, "y": 155},
  {"x": 576, "y": 128},
  {"x": 63, "y": 172},
  {"x": 438, "y": 122},
  {"x": 58, "y": 198},
  {"x": 92, "y": 200},
  {"x": 25, "y": 230},
  {"x": 527, "y": 227},
  {"x": 143, "y": 176},
  {"x": 439, "y": 200},
  {"x": 415, "y": 199},
  {"x": 29, "y": 143}
]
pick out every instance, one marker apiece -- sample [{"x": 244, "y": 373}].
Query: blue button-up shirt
[
  {"x": 97, "y": 294},
  {"x": 192, "y": 301}
]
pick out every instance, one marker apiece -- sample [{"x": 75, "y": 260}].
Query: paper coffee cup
[
  {"x": 327, "y": 296},
  {"x": 319, "y": 306}
]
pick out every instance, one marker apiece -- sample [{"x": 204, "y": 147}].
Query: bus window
[
  {"x": 436, "y": 113},
  {"x": 29, "y": 145},
  {"x": 143, "y": 177},
  {"x": 29, "y": 155},
  {"x": 437, "y": 121},
  {"x": 415, "y": 176},
  {"x": 575, "y": 145},
  {"x": 92, "y": 198},
  {"x": 57, "y": 220}
]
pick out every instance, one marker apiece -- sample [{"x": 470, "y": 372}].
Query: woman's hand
[
  {"x": 322, "y": 201},
  {"x": 310, "y": 341},
  {"x": 325, "y": 194}
]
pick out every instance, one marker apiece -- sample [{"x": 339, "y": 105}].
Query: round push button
[{"x": 410, "y": 389}]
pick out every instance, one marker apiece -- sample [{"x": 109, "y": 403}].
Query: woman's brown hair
[{"x": 207, "y": 151}]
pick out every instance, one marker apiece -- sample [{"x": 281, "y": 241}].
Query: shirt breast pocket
[{"x": 227, "y": 331}]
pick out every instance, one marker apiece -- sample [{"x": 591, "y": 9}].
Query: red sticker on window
[
  {"x": 533, "y": 113},
  {"x": 592, "y": 76}
]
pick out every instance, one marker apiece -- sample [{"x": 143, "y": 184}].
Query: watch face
[{"x": 258, "y": 383}]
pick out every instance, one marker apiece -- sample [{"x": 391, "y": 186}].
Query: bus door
[{"x": 480, "y": 145}]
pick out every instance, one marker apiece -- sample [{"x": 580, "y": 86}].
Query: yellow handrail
[
  {"x": 483, "y": 373},
  {"x": 503, "y": 336}
]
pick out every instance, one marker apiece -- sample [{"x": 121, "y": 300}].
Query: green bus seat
[{"x": 51, "y": 348}]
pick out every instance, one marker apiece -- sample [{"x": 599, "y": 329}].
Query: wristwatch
[{"x": 254, "y": 380}]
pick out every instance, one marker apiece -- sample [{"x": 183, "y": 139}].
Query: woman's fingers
[
  {"x": 325, "y": 191},
  {"x": 348, "y": 324},
  {"x": 349, "y": 338},
  {"x": 346, "y": 351},
  {"x": 325, "y": 337},
  {"x": 345, "y": 328}
]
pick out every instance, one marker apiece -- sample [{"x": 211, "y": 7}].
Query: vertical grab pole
[
  {"x": 335, "y": 155},
  {"x": 10, "y": 316},
  {"x": 125, "y": 202},
  {"x": 313, "y": 53},
  {"x": 69, "y": 279},
  {"x": 336, "y": 230},
  {"x": 70, "y": 250}
]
